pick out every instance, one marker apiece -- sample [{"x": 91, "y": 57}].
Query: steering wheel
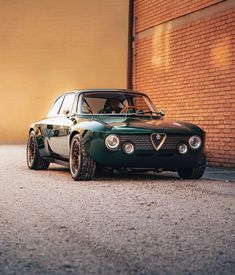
[{"x": 127, "y": 108}]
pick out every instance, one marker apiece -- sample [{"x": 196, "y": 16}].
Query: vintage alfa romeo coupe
[{"x": 114, "y": 129}]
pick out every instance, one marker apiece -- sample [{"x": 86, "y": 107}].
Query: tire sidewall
[
  {"x": 75, "y": 139},
  {"x": 192, "y": 173},
  {"x": 31, "y": 164}
]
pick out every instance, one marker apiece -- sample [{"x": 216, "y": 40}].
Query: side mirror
[
  {"x": 162, "y": 112},
  {"x": 66, "y": 111}
]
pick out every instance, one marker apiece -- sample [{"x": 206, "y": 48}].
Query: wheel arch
[
  {"x": 30, "y": 130},
  {"x": 72, "y": 135},
  {"x": 76, "y": 132}
]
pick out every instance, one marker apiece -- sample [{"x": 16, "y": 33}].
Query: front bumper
[{"x": 166, "y": 159}]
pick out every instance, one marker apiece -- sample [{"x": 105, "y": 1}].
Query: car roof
[{"x": 78, "y": 91}]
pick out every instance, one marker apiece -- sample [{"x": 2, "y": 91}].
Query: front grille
[
  {"x": 143, "y": 142},
  {"x": 172, "y": 141}
]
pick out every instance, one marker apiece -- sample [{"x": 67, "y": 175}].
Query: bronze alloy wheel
[
  {"x": 82, "y": 166},
  {"x": 34, "y": 159},
  {"x": 75, "y": 157},
  {"x": 31, "y": 150}
]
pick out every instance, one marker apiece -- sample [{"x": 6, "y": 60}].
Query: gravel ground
[{"x": 124, "y": 224}]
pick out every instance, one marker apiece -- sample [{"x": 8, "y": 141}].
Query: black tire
[
  {"x": 82, "y": 167},
  {"x": 34, "y": 161},
  {"x": 193, "y": 172}
]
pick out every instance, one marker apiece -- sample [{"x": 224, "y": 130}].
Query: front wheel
[
  {"x": 34, "y": 161},
  {"x": 82, "y": 167},
  {"x": 193, "y": 172}
]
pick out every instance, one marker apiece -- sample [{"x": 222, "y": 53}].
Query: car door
[
  {"x": 61, "y": 125},
  {"x": 46, "y": 127}
]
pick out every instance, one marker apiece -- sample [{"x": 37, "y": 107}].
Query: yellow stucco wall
[{"x": 50, "y": 46}]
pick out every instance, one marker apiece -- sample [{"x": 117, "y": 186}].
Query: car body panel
[{"x": 138, "y": 125}]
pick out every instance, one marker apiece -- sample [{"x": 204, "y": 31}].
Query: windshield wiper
[
  {"x": 149, "y": 112},
  {"x": 143, "y": 113}
]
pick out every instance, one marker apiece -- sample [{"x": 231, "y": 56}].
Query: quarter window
[
  {"x": 67, "y": 103},
  {"x": 56, "y": 107}
]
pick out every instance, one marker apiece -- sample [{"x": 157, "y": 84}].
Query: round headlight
[
  {"x": 183, "y": 148},
  {"x": 195, "y": 142},
  {"x": 112, "y": 141},
  {"x": 128, "y": 148}
]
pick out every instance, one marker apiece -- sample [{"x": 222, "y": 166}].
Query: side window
[
  {"x": 56, "y": 107},
  {"x": 67, "y": 103}
]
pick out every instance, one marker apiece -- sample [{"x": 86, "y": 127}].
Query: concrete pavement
[
  {"x": 120, "y": 224},
  {"x": 219, "y": 174}
]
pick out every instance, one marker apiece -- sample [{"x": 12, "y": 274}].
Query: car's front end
[{"x": 153, "y": 144}]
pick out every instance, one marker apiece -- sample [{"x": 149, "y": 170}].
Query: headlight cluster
[
  {"x": 182, "y": 148},
  {"x": 194, "y": 143},
  {"x": 128, "y": 148},
  {"x": 112, "y": 142}
]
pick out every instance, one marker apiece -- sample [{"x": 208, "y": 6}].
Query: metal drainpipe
[{"x": 131, "y": 48}]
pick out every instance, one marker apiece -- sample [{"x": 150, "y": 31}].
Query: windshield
[{"x": 115, "y": 103}]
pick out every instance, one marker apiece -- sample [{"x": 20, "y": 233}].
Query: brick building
[{"x": 183, "y": 57}]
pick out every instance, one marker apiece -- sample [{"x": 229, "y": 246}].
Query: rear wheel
[
  {"x": 82, "y": 166},
  {"x": 34, "y": 161},
  {"x": 193, "y": 172}
]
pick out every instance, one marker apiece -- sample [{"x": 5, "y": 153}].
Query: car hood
[{"x": 143, "y": 125}]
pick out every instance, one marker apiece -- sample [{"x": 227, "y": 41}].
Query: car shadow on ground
[
  {"x": 135, "y": 176},
  {"x": 123, "y": 176}
]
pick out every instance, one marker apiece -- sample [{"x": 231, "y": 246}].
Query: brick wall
[
  {"x": 152, "y": 12},
  {"x": 185, "y": 63}
]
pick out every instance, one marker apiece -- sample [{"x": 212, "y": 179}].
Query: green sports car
[{"x": 89, "y": 130}]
